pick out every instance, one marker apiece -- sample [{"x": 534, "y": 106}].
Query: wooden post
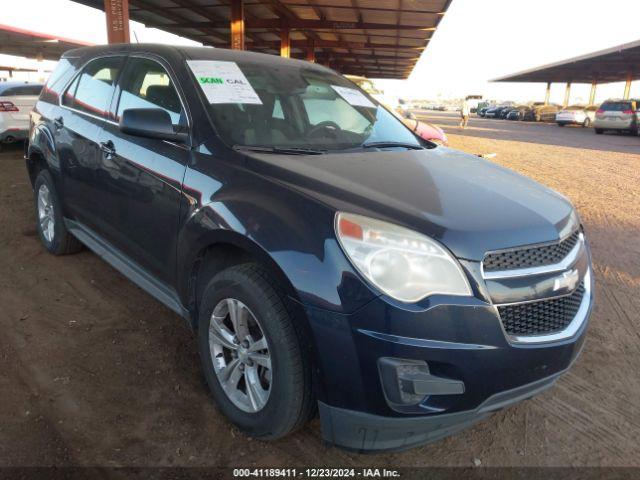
[
  {"x": 627, "y": 86},
  {"x": 567, "y": 94},
  {"x": 117, "y": 13},
  {"x": 237, "y": 24},
  {"x": 548, "y": 94},
  {"x": 285, "y": 42},
  {"x": 311, "y": 52},
  {"x": 592, "y": 94}
]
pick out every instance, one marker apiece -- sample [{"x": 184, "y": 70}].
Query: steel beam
[
  {"x": 627, "y": 86},
  {"x": 117, "y": 16},
  {"x": 237, "y": 25},
  {"x": 567, "y": 94},
  {"x": 547, "y": 94},
  {"x": 592, "y": 94},
  {"x": 285, "y": 42}
]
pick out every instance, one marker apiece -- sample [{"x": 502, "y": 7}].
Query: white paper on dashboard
[
  {"x": 353, "y": 97},
  {"x": 223, "y": 82}
]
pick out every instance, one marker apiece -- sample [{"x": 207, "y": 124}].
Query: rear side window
[
  {"x": 92, "y": 90},
  {"x": 57, "y": 80},
  {"x": 147, "y": 85}
]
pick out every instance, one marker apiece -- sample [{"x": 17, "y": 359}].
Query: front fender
[{"x": 281, "y": 228}]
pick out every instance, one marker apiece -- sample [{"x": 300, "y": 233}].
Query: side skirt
[{"x": 130, "y": 269}]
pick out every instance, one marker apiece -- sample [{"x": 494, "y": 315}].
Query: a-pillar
[{"x": 117, "y": 13}]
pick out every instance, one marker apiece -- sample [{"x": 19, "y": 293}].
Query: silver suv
[{"x": 618, "y": 115}]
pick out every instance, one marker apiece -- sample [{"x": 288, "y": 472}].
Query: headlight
[{"x": 404, "y": 264}]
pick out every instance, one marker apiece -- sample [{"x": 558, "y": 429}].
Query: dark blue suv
[{"x": 329, "y": 260}]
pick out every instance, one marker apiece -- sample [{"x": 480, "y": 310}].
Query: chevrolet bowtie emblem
[{"x": 568, "y": 280}]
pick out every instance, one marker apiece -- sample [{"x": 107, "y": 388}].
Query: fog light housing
[{"x": 407, "y": 383}]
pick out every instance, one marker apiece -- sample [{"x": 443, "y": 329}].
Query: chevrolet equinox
[{"x": 331, "y": 262}]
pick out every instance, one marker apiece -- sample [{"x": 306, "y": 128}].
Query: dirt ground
[{"x": 93, "y": 371}]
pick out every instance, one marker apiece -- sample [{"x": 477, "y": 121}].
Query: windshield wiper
[
  {"x": 282, "y": 150},
  {"x": 410, "y": 146}
]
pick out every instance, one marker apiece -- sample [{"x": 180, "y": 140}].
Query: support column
[
  {"x": 311, "y": 52},
  {"x": 592, "y": 94},
  {"x": 237, "y": 25},
  {"x": 567, "y": 94},
  {"x": 547, "y": 94},
  {"x": 627, "y": 86},
  {"x": 285, "y": 42},
  {"x": 10, "y": 73},
  {"x": 117, "y": 13}
]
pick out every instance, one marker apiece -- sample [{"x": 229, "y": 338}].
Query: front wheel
[
  {"x": 599, "y": 131},
  {"x": 254, "y": 357}
]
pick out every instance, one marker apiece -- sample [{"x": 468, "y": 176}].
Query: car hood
[{"x": 469, "y": 204}]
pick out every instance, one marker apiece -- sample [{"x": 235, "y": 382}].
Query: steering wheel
[{"x": 326, "y": 125}]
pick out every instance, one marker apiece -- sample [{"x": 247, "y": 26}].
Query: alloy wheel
[
  {"x": 240, "y": 355},
  {"x": 45, "y": 213}
]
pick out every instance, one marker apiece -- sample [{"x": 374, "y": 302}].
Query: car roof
[{"x": 192, "y": 53}]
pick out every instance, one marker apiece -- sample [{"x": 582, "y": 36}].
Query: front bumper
[
  {"x": 362, "y": 432},
  {"x": 460, "y": 340}
]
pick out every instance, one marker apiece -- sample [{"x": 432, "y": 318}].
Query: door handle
[
  {"x": 108, "y": 148},
  {"x": 58, "y": 123}
]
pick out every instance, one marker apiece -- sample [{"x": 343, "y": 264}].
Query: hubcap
[
  {"x": 240, "y": 355},
  {"x": 45, "y": 213}
]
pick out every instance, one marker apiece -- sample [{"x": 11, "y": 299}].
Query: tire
[
  {"x": 561, "y": 124},
  {"x": 49, "y": 220},
  {"x": 289, "y": 402},
  {"x": 599, "y": 131},
  {"x": 587, "y": 122}
]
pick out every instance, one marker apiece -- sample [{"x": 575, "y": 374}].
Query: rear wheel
[
  {"x": 560, "y": 124},
  {"x": 599, "y": 131},
  {"x": 587, "y": 122},
  {"x": 254, "y": 359},
  {"x": 50, "y": 221}
]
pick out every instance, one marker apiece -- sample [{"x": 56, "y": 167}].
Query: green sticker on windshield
[{"x": 210, "y": 80}]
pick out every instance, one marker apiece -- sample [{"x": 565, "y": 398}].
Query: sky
[{"x": 476, "y": 41}]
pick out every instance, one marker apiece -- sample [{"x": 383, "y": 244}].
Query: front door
[{"x": 145, "y": 175}]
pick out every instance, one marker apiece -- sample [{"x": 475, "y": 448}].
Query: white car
[
  {"x": 576, "y": 115},
  {"x": 17, "y": 99}
]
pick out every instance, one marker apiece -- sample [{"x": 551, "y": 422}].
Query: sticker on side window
[
  {"x": 223, "y": 82},
  {"x": 353, "y": 97}
]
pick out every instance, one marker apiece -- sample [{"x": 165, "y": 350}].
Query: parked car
[
  {"x": 518, "y": 113},
  {"x": 620, "y": 115},
  {"x": 494, "y": 112},
  {"x": 16, "y": 101},
  {"x": 576, "y": 115},
  {"x": 324, "y": 254},
  {"x": 427, "y": 131},
  {"x": 545, "y": 113}
]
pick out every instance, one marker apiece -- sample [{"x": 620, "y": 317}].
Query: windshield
[{"x": 299, "y": 107}]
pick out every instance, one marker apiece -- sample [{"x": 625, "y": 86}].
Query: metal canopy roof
[
  {"x": 372, "y": 38},
  {"x": 610, "y": 65},
  {"x": 25, "y": 43}
]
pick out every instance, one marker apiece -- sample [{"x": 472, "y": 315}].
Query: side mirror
[{"x": 150, "y": 123}]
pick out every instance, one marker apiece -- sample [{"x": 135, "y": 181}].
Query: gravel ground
[{"x": 93, "y": 371}]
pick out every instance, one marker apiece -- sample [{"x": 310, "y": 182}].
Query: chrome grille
[
  {"x": 530, "y": 256},
  {"x": 541, "y": 317}
]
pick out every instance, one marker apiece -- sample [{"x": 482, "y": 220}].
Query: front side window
[
  {"x": 148, "y": 85},
  {"x": 298, "y": 107},
  {"x": 92, "y": 90}
]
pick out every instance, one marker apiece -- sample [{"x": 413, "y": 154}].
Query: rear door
[
  {"x": 144, "y": 175},
  {"x": 77, "y": 129}
]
